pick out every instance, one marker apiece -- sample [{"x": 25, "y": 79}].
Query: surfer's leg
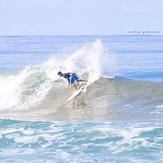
[
  {"x": 74, "y": 86},
  {"x": 72, "y": 80},
  {"x": 79, "y": 80}
]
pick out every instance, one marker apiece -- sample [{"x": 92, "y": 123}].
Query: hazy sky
[{"x": 79, "y": 17}]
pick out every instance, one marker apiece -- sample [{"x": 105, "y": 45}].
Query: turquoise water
[
  {"x": 118, "y": 118},
  {"x": 22, "y": 141}
]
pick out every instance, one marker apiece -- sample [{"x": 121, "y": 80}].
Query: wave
[
  {"x": 30, "y": 86},
  {"x": 114, "y": 99},
  {"x": 39, "y": 93}
]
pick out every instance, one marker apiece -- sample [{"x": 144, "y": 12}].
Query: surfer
[{"x": 71, "y": 77}]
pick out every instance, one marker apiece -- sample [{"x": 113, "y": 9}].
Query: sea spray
[
  {"x": 33, "y": 84},
  {"x": 91, "y": 57}
]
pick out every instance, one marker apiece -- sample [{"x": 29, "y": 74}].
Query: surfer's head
[{"x": 60, "y": 73}]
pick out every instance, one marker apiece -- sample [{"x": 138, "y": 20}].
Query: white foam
[{"x": 160, "y": 106}]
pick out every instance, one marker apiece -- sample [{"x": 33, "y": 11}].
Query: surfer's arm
[
  {"x": 74, "y": 86},
  {"x": 67, "y": 76},
  {"x": 68, "y": 79}
]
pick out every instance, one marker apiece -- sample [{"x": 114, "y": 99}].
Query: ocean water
[{"x": 118, "y": 119}]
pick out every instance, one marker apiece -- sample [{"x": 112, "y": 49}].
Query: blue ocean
[{"x": 119, "y": 118}]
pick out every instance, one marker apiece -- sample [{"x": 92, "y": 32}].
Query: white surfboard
[{"x": 76, "y": 93}]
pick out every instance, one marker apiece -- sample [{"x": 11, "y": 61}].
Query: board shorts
[{"x": 73, "y": 78}]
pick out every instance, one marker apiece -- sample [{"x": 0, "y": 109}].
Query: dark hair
[{"x": 59, "y": 73}]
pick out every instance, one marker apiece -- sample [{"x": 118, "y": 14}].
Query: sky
[{"x": 79, "y": 17}]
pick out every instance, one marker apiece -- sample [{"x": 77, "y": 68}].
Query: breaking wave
[{"x": 38, "y": 93}]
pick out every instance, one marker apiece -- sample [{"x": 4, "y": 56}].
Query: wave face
[{"x": 40, "y": 94}]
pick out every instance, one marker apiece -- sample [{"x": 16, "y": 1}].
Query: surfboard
[{"x": 77, "y": 93}]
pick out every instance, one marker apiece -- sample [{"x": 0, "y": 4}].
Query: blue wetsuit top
[{"x": 67, "y": 76}]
